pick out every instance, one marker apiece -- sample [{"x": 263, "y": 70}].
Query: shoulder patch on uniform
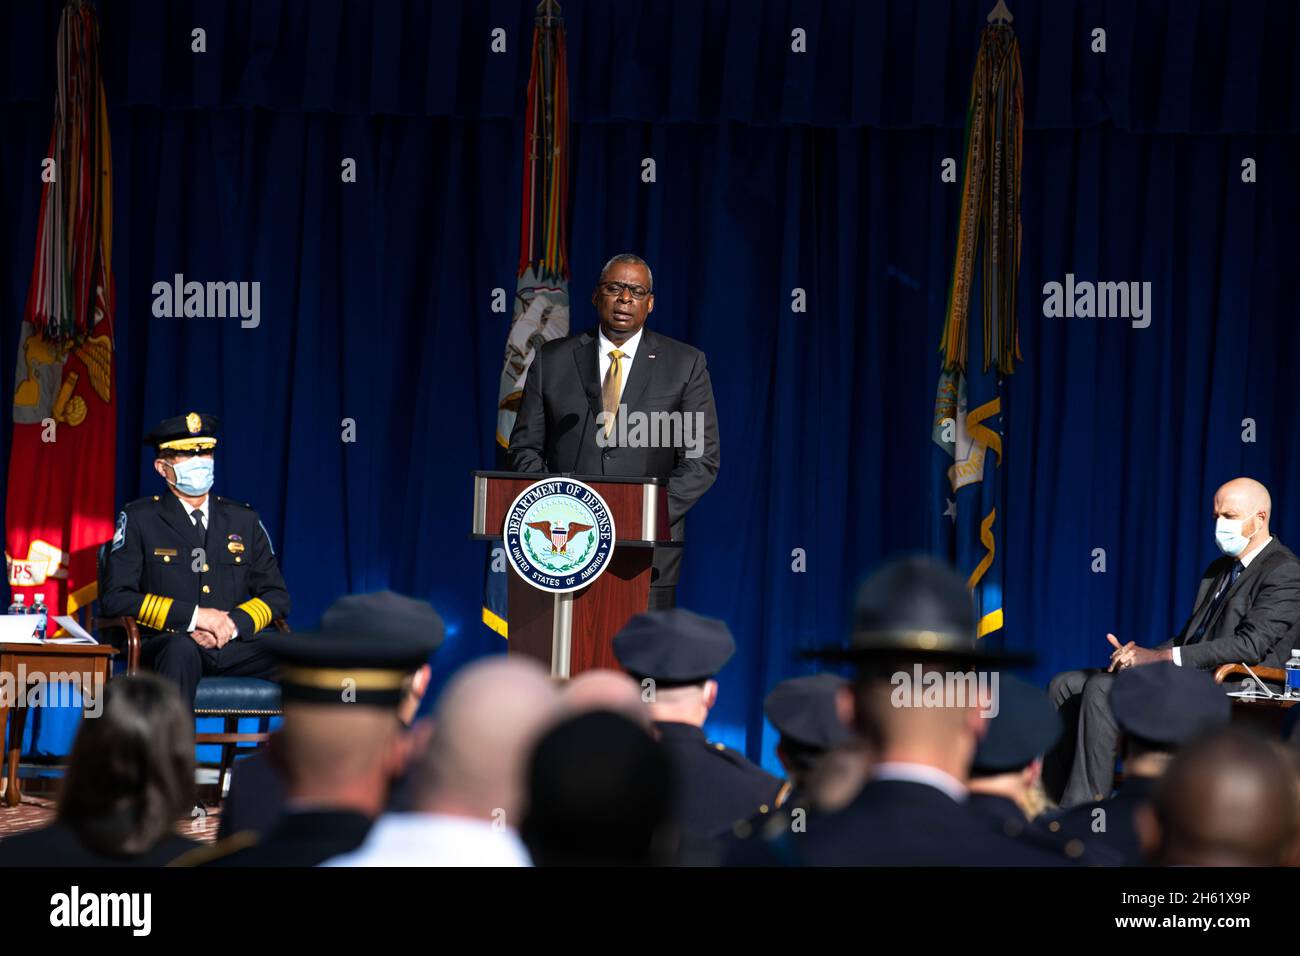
[
  {"x": 215, "y": 851},
  {"x": 268, "y": 536},
  {"x": 119, "y": 536}
]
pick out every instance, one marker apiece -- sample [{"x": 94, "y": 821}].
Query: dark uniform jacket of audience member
[
  {"x": 258, "y": 790},
  {"x": 902, "y": 823},
  {"x": 716, "y": 786},
  {"x": 59, "y": 845},
  {"x": 1006, "y": 818},
  {"x": 149, "y": 571},
  {"x": 556, "y": 427},
  {"x": 1257, "y": 622},
  {"x": 300, "y": 838},
  {"x": 1118, "y": 831}
]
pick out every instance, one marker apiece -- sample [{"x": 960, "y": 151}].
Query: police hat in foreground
[
  {"x": 367, "y": 645},
  {"x": 1167, "y": 704},
  {"x": 803, "y": 710},
  {"x": 916, "y": 609},
  {"x": 193, "y": 431},
  {"x": 1024, "y": 728},
  {"x": 673, "y": 647}
]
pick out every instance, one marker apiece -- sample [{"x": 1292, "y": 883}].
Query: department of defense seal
[{"x": 559, "y": 535}]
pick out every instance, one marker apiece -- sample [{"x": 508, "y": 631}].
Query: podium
[{"x": 573, "y": 632}]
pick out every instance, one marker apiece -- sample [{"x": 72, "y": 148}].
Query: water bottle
[
  {"x": 1293, "y": 675},
  {"x": 17, "y": 606},
  {"x": 42, "y": 616}
]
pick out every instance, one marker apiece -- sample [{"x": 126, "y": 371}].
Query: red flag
[{"x": 62, "y": 464}]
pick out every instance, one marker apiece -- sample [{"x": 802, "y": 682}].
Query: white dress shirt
[
  {"x": 1245, "y": 563},
  {"x": 628, "y": 349},
  {"x": 920, "y": 773},
  {"x": 189, "y": 513},
  {"x": 436, "y": 839}
]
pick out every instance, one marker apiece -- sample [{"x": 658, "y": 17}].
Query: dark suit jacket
[
  {"x": 59, "y": 845},
  {"x": 150, "y": 571},
  {"x": 902, "y": 823},
  {"x": 1259, "y": 619},
  {"x": 556, "y": 428},
  {"x": 715, "y": 786},
  {"x": 1119, "y": 833},
  {"x": 305, "y": 838}
]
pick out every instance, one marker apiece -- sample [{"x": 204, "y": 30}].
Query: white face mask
[
  {"x": 193, "y": 476},
  {"x": 1228, "y": 536}
]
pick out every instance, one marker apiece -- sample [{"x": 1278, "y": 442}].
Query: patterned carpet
[{"x": 38, "y": 806}]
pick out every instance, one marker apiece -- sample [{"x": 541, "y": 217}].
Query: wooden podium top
[{"x": 639, "y": 505}]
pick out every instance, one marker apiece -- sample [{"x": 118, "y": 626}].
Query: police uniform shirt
[
  {"x": 1005, "y": 817},
  {"x": 301, "y": 838},
  {"x": 161, "y": 567},
  {"x": 1113, "y": 827},
  {"x": 716, "y": 786}
]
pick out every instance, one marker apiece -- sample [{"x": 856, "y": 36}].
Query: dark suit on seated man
[
  {"x": 1247, "y": 610},
  {"x": 622, "y": 400}
]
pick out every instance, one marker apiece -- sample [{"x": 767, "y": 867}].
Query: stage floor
[{"x": 39, "y": 802}]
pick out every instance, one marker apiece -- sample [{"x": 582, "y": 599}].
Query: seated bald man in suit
[
  {"x": 1247, "y": 610},
  {"x": 589, "y": 398}
]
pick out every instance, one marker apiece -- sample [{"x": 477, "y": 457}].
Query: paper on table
[
  {"x": 18, "y": 629},
  {"x": 76, "y": 633}
]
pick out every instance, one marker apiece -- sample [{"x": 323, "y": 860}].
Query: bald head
[
  {"x": 1245, "y": 499},
  {"x": 1228, "y": 799},
  {"x": 488, "y": 719},
  {"x": 606, "y": 690}
]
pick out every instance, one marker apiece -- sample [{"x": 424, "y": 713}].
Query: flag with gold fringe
[
  {"x": 62, "y": 463},
  {"x": 541, "y": 306},
  {"x": 970, "y": 410}
]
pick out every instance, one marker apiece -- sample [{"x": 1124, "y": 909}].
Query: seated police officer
[{"x": 197, "y": 572}]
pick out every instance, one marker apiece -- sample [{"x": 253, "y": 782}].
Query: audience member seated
[
  {"x": 1229, "y": 799},
  {"x": 600, "y": 794},
  {"x": 467, "y": 790},
  {"x": 130, "y": 782}
]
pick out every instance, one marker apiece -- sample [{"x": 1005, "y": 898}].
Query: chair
[
  {"x": 227, "y": 697},
  {"x": 1224, "y": 671}
]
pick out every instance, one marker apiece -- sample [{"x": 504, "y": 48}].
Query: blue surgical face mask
[
  {"x": 193, "y": 476},
  {"x": 1228, "y": 536}
]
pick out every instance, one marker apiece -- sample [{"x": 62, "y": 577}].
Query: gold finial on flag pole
[
  {"x": 1000, "y": 13},
  {"x": 548, "y": 11}
]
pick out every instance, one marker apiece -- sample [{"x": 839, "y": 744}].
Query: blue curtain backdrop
[{"x": 775, "y": 170}]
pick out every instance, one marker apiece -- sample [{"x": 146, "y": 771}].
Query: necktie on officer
[
  {"x": 1237, "y": 568},
  {"x": 612, "y": 390},
  {"x": 199, "y": 523}
]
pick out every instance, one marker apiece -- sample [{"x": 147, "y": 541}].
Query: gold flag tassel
[{"x": 990, "y": 198}]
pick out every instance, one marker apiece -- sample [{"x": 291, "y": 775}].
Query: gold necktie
[{"x": 612, "y": 389}]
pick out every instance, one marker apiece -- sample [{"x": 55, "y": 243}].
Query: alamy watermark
[
  {"x": 932, "y": 688},
  {"x": 209, "y": 300},
  {"x": 1098, "y": 300},
  {"x": 54, "y": 689},
  {"x": 637, "y": 429}
]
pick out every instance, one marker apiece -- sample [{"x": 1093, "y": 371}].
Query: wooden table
[
  {"x": 1265, "y": 714},
  {"x": 89, "y": 660}
]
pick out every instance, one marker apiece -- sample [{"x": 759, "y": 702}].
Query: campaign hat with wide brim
[{"x": 916, "y": 609}]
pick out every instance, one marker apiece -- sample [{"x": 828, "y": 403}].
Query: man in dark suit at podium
[{"x": 622, "y": 400}]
